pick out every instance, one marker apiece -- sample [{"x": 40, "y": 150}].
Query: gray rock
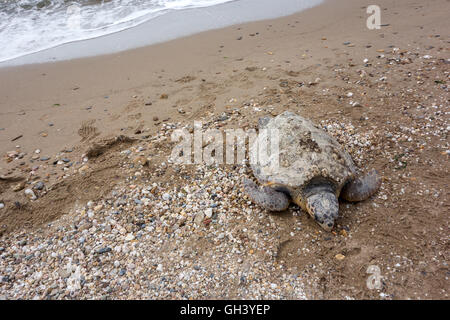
[
  {"x": 39, "y": 186},
  {"x": 104, "y": 250}
]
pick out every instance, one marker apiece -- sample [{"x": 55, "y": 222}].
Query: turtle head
[{"x": 323, "y": 206}]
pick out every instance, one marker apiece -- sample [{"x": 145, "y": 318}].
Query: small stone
[
  {"x": 45, "y": 158},
  {"x": 199, "y": 218},
  {"x": 164, "y": 96},
  {"x": 339, "y": 257},
  {"x": 155, "y": 118},
  {"x": 209, "y": 212},
  {"x": 39, "y": 186},
  {"x": 30, "y": 194},
  {"x": 159, "y": 268},
  {"x": 166, "y": 197},
  {"x": 129, "y": 237},
  {"x": 2, "y": 205},
  {"x": 104, "y": 250}
]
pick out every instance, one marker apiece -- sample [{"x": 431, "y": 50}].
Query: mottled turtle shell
[{"x": 306, "y": 152}]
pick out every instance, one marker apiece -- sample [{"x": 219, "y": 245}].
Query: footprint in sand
[
  {"x": 185, "y": 79},
  {"x": 87, "y": 130}
]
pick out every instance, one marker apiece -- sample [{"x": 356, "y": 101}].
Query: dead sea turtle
[{"x": 313, "y": 171}]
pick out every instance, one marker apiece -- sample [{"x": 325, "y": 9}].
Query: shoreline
[{"x": 171, "y": 26}]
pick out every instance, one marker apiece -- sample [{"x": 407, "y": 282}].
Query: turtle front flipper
[
  {"x": 361, "y": 188},
  {"x": 266, "y": 197}
]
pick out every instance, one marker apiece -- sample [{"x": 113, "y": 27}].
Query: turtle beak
[
  {"x": 324, "y": 208},
  {"x": 327, "y": 225}
]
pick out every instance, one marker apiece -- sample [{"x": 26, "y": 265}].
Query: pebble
[
  {"x": 104, "y": 250},
  {"x": 30, "y": 194},
  {"x": 129, "y": 237},
  {"x": 209, "y": 212},
  {"x": 199, "y": 217},
  {"x": 2, "y": 205},
  {"x": 340, "y": 257},
  {"x": 39, "y": 185}
]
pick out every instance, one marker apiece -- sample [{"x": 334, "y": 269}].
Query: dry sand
[{"x": 395, "y": 120}]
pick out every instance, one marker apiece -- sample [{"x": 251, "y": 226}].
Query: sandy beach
[{"x": 111, "y": 218}]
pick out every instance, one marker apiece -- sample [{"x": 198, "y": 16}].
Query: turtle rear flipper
[
  {"x": 361, "y": 188},
  {"x": 266, "y": 197}
]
